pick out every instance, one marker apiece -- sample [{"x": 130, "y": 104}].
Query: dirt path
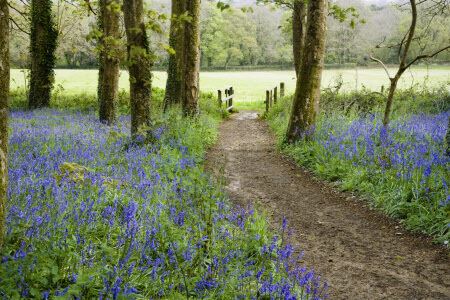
[{"x": 362, "y": 254}]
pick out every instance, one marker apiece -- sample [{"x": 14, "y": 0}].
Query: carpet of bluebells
[
  {"x": 403, "y": 168},
  {"x": 92, "y": 215}
]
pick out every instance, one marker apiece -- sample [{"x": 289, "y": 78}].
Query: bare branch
[
  {"x": 18, "y": 26},
  {"x": 22, "y": 13},
  {"x": 88, "y": 3},
  {"x": 382, "y": 64},
  {"x": 426, "y": 56},
  {"x": 380, "y": 44}
]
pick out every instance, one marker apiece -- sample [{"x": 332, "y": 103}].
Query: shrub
[{"x": 415, "y": 100}]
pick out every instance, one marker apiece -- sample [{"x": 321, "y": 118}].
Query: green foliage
[
  {"x": 126, "y": 221},
  {"x": 86, "y": 102},
  {"x": 229, "y": 39},
  {"x": 222, "y": 6},
  {"x": 419, "y": 98},
  {"x": 349, "y": 14},
  {"x": 418, "y": 198}
]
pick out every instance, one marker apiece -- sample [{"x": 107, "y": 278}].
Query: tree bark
[
  {"x": 43, "y": 42},
  {"x": 307, "y": 93},
  {"x": 298, "y": 33},
  {"x": 4, "y": 93},
  {"x": 174, "y": 84},
  {"x": 139, "y": 65},
  {"x": 390, "y": 98},
  {"x": 192, "y": 59},
  {"x": 109, "y": 62}
]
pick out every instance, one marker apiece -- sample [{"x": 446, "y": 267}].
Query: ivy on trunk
[
  {"x": 139, "y": 65},
  {"x": 43, "y": 43}
]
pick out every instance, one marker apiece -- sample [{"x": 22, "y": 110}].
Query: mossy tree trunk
[
  {"x": 139, "y": 65},
  {"x": 109, "y": 62},
  {"x": 298, "y": 32},
  {"x": 175, "y": 73},
  {"x": 4, "y": 93},
  {"x": 43, "y": 42},
  {"x": 192, "y": 58},
  {"x": 307, "y": 93}
]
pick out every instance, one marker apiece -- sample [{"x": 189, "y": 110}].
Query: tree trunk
[
  {"x": 139, "y": 65},
  {"x": 192, "y": 59},
  {"x": 109, "y": 68},
  {"x": 307, "y": 93},
  {"x": 298, "y": 33},
  {"x": 403, "y": 64},
  {"x": 390, "y": 99},
  {"x": 4, "y": 93},
  {"x": 174, "y": 84},
  {"x": 43, "y": 42}
]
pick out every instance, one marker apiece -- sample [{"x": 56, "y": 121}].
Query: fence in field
[
  {"x": 228, "y": 100},
  {"x": 272, "y": 96}
]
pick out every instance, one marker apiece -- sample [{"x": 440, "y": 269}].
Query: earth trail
[{"x": 361, "y": 253}]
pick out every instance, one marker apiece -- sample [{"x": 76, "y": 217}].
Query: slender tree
[
  {"x": 43, "y": 42},
  {"x": 191, "y": 58},
  {"x": 307, "y": 93},
  {"x": 139, "y": 65},
  {"x": 403, "y": 53},
  {"x": 109, "y": 62},
  {"x": 298, "y": 32},
  {"x": 4, "y": 92},
  {"x": 175, "y": 73}
]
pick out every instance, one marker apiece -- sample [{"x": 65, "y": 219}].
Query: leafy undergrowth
[
  {"x": 404, "y": 169},
  {"x": 93, "y": 216},
  {"x": 83, "y": 101}
]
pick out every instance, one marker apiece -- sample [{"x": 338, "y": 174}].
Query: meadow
[{"x": 251, "y": 86}]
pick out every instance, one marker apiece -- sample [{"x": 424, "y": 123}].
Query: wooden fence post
[
  {"x": 267, "y": 101},
  {"x": 231, "y": 99},
  {"x": 281, "y": 89},
  {"x": 219, "y": 97},
  {"x": 275, "y": 95},
  {"x": 271, "y": 98}
]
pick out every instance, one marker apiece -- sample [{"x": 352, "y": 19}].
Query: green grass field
[{"x": 250, "y": 86}]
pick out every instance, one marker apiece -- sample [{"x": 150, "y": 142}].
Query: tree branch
[
  {"x": 426, "y": 56},
  {"x": 18, "y": 27},
  {"x": 88, "y": 3},
  {"x": 411, "y": 33},
  {"x": 381, "y": 63}
]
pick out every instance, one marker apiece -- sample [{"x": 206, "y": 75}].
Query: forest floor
[{"x": 360, "y": 253}]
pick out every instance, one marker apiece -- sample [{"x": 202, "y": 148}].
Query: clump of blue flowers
[
  {"x": 402, "y": 167},
  {"x": 92, "y": 215}
]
